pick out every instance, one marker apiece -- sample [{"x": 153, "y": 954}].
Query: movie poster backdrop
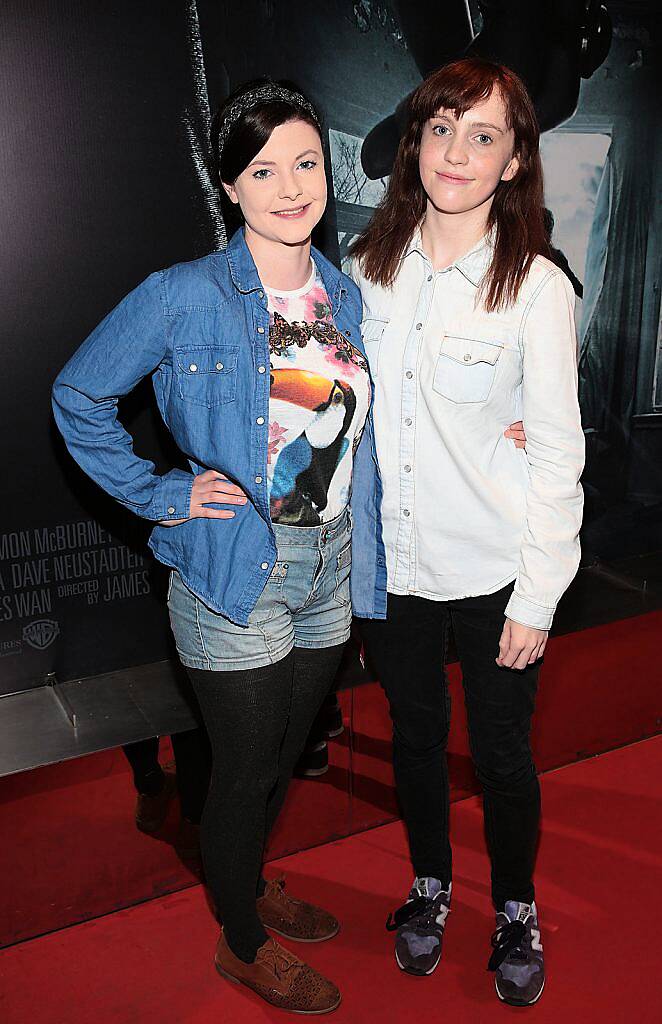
[{"x": 107, "y": 176}]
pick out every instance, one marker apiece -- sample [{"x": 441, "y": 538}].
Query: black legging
[{"x": 258, "y": 721}]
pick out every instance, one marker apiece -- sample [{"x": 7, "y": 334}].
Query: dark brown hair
[
  {"x": 517, "y": 212},
  {"x": 252, "y": 130}
]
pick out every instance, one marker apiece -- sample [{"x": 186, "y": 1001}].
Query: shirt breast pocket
[
  {"x": 207, "y": 375},
  {"x": 466, "y": 368},
  {"x": 372, "y": 334}
]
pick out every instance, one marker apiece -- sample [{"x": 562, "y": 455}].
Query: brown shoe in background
[
  {"x": 295, "y": 919},
  {"x": 151, "y": 811},
  {"x": 280, "y": 978}
]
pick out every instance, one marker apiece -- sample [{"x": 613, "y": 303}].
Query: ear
[
  {"x": 231, "y": 192},
  {"x": 511, "y": 169}
]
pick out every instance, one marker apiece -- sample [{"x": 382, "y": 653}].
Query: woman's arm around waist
[{"x": 549, "y": 550}]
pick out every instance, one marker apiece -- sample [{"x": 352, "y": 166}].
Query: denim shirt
[
  {"x": 201, "y": 329},
  {"x": 464, "y": 511}
]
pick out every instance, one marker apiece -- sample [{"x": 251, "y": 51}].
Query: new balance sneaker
[
  {"x": 332, "y": 715},
  {"x": 314, "y": 761},
  {"x": 420, "y": 924},
  {"x": 517, "y": 957}
]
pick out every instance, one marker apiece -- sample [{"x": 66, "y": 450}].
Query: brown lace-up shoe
[
  {"x": 151, "y": 811},
  {"x": 279, "y": 978},
  {"x": 292, "y": 918}
]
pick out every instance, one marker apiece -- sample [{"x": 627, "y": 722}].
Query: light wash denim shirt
[
  {"x": 201, "y": 330},
  {"x": 464, "y": 511}
]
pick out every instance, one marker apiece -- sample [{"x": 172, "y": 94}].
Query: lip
[
  {"x": 294, "y": 214},
  {"x": 454, "y": 179}
]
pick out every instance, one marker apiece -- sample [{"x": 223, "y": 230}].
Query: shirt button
[
  {"x": 192, "y": 367},
  {"x": 265, "y": 565},
  {"x": 260, "y": 295},
  {"x": 260, "y": 330},
  {"x": 429, "y": 277},
  {"x": 219, "y": 366},
  {"x": 409, "y": 375},
  {"x": 348, "y": 333},
  {"x": 171, "y": 510},
  {"x": 418, "y": 326},
  {"x": 407, "y": 469},
  {"x": 405, "y": 511},
  {"x": 261, "y": 369},
  {"x": 408, "y": 421},
  {"x": 260, "y": 420},
  {"x": 467, "y": 357},
  {"x": 258, "y": 479}
]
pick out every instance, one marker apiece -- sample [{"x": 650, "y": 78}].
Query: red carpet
[
  {"x": 64, "y": 819},
  {"x": 599, "y": 891}
]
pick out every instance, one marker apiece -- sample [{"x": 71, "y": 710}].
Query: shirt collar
[
  {"x": 472, "y": 265},
  {"x": 241, "y": 263},
  {"x": 245, "y": 276}
]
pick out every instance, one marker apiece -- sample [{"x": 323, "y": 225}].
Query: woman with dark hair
[
  {"x": 468, "y": 325},
  {"x": 256, "y": 358}
]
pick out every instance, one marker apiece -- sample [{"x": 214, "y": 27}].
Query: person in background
[{"x": 156, "y": 786}]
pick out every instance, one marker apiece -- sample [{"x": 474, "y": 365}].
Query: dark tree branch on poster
[{"x": 196, "y": 121}]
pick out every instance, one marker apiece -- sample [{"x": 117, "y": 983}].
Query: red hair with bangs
[{"x": 517, "y": 211}]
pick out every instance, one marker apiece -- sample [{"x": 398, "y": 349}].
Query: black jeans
[{"x": 408, "y": 653}]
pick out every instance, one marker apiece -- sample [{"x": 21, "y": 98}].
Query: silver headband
[{"x": 263, "y": 94}]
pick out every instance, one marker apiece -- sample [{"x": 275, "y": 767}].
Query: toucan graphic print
[
  {"x": 323, "y": 409},
  {"x": 318, "y": 403}
]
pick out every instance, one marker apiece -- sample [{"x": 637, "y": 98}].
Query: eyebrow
[
  {"x": 486, "y": 124},
  {"x": 272, "y": 163},
  {"x": 474, "y": 124}
]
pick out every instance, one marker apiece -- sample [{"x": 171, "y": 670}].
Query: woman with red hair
[{"x": 468, "y": 325}]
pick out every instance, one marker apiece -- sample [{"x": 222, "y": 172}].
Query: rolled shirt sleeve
[
  {"x": 126, "y": 346},
  {"x": 549, "y": 552}
]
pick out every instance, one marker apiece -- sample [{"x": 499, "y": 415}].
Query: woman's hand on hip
[
  {"x": 520, "y": 645},
  {"x": 209, "y": 487},
  {"x": 516, "y": 432}
]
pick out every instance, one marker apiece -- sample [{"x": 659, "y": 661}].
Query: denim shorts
[{"x": 305, "y": 603}]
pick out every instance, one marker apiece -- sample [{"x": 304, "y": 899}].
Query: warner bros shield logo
[{"x": 41, "y": 633}]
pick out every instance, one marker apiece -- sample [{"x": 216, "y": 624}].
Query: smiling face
[
  {"x": 461, "y": 161},
  {"x": 282, "y": 192}
]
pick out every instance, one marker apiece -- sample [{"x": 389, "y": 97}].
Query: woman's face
[
  {"x": 461, "y": 161},
  {"x": 282, "y": 192}
]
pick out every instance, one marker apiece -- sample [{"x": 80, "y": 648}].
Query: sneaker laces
[
  {"x": 428, "y": 908},
  {"x": 507, "y": 943}
]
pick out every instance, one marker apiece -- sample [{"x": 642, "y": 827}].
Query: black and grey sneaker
[
  {"x": 313, "y": 762},
  {"x": 517, "y": 957},
  {"x": 333, "y": 721},
  {"x": 420, "y": 924}
]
